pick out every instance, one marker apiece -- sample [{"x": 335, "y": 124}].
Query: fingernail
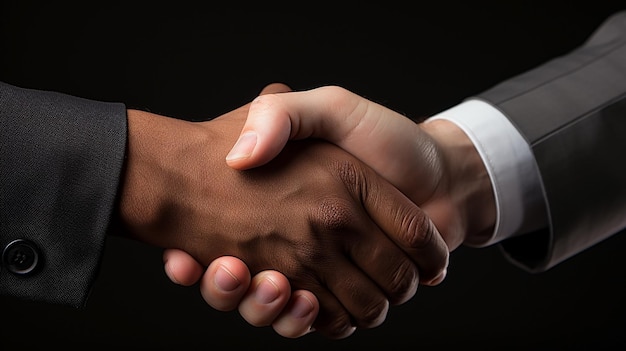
[
  {"x": 243, "y": 147},
  {"x": 168, "y": 272},
  {"x": 302, "y": 307},
  {"x": 225, "y": 280},
  {"x": 266, "y": 291}
]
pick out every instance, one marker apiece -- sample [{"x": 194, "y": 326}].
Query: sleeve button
[{"x": 21, "y": 257}]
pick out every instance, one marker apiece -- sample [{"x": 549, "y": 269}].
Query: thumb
[
  {"x": 330, "y": 113},
  {"x": 390, "y": 143},
  {"x": 274, "y": 88},
  {"x": 240, "y": 156}
]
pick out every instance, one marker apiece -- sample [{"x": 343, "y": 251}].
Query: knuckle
[
  {"x": 334, "y": 214},
  {"x": 311, "y": 262},
  {"x": 338, "y": 328},
  {"x": 402, "y": 275},
  {"x": 373, "y": 314},
  {"x": 348, "y": 173},
  {"x": 419, "y": 233},
  {"x": 403, "y": 282},
  {"x": 265, "y": 101},
  {"x": 429, "y": 274},
  {"x": 337, "y": 95}
]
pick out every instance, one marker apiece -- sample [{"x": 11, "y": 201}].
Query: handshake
[
  {"x": 328, "y": 209},
  {"x": 318, "y": 209}
]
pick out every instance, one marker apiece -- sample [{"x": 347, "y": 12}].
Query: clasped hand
[{"x": 330, "y": 224}]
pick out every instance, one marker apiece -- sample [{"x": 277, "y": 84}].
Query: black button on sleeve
[{"x": 21, "y": 257}]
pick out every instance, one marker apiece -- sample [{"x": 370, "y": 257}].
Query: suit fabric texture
[
  {"x": 572, "y": 112},
  {"x": 62, "y": 159}
]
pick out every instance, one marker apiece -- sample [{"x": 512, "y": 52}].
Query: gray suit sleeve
[
  {"x": 572, "y": 112},
  {"x": 62, "y": 157}
]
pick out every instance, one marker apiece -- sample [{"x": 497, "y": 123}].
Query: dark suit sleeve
[
  {"x": 62, "y": 158},
  {"x": 572, "y": 112}
]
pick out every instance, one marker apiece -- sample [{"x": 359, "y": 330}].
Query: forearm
[{"x": 161, "y": 163}]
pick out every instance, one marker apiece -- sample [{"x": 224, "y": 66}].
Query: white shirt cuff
[{"x": 510, "y": 164}]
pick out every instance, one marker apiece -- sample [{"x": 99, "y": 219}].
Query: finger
[
  {"x": 298, "y": 316},
  {"x": 273, "y": 119},
  {"x": 225, "y": 283},
  {"x": 390, "y": 143},
  {"x": 265, "y": 132},
  {"x": 247, "y": 141},
  {"x": 370, "y": 270},
  {"x": 268, "y": 294},
  {"x": 275, "y": 88},
  {"x": 394, "y": 272},
  {"x": 359, "y": 294},
  {"x": 333, "y": 320},
  {"x": 438, "y": 279},
  {"x": 408, "y": 226},
  {"x": 181, "y": 268}
]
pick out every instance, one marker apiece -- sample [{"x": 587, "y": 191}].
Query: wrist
[
  {"x": 466, "y": 185},
  {"x": 140, "y": 195},
  {"x": 155, "y": 146}
]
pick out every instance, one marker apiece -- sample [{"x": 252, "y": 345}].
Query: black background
[{"x": 196, "y": 63}]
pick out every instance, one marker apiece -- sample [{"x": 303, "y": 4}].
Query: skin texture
[
  {"x": 293, "y": 317},
  {"x": 435, "y": 164},
  {"x": 315, "y": 213}
]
